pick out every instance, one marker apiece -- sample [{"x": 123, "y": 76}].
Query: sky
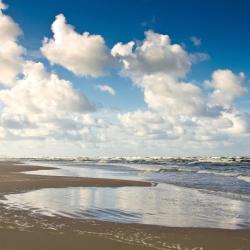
[{"x": 131, "y": 78}]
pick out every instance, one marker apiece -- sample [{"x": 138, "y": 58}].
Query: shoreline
[
  {"x": 13, "y": 180},
  {"x": 29, "y": 228}
]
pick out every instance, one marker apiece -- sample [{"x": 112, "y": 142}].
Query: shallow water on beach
[
  {"x": 164, "y": 204},
  {"x": 190, "y": 193}
]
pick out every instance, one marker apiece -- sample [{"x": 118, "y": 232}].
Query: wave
[
  {"x": 244, "y": 178},
  {"x": 238, "y": 175},
  {"x": 230, "y": 174},
  {"x": 152, "y": 168},
  {"x": 164, "y": 170},
  {"x": 153, "y": 160}
]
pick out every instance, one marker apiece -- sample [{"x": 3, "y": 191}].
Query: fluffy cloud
[
  {"x": 106, "y": 88},
  {"x": 240, "y": 122},
  {"x": 10, "y": 52},
  {"x": 156, "y": 66},
  {"x": 227, "y": 86},
  {"x": 149, "y": 125},
  {"x": 14, "y": 121},
  {"x": 163, "y": 93},
  {"x": 40, "y": 92},
  {"x": 121, "y": 49},
  {"x": 83, "y": 54},
  {"x": 41, "y": 105},
  {"x": 155, "y": 55},
  {"x": 227, "y": 128}
]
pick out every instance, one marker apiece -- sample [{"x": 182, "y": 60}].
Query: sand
[{"x": 25, "y": 230}]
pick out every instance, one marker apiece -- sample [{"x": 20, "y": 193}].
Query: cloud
[
  {"x": 199, "y": 57},
  {"x": 157, "y": 66},
  {"x": 156, "y": 54},
  {"x": 83, "y": 54},
  {"x": 185, "y": 111},
  {"x": 229, "y": 124},
  {"x": 40, "y": 91},
  {"x": 10, "y": 52},
  {"x": 3, "y": 6},
  {"x": 37, "y": 105},
  {"x": 196, "y": 41},
  {"x": 240, "y": 122},
  {"x": 106, "y": 88},
  {"x": 227, "y": 86},
  {"x": 121, "y": 49},
  {"x": 14, "y": 121},
  {"x": 149, "y": 125},
  {"x": 164, "y": 94},
  {"x": 41, "y": 106}
]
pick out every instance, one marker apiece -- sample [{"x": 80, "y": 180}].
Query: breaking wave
[{"x": 244, "y": 178}]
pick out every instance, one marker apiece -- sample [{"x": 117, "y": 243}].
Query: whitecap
[{"x": 244, "y": 178}]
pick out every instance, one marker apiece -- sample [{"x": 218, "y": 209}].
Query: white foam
[
  {"x": 244, "y": 178},
  {"x": 218, "y": 173}
]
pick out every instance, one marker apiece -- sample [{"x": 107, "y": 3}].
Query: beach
[
  {"x": 23, "y": 229},
  {"x": 124, "y": 125}
]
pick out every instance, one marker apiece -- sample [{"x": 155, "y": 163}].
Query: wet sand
[
  {"x": 24, "y": 230},
  {"x": 12, "y": 180}
]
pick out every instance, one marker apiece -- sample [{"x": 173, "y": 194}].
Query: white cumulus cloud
[
  {"x": 227, "y": 86},
  {"x": 149, "y": 125},
  {"x": 165, "y": 94},
  {"x": 42, "y": 106},
  {"x": 122, "y": 49},
  {"x": 83, "y": 54},
  {"x": 40, "y": 91},
  {"x": 156, "y": 66},
  {"x": 156, "y": 54},
  {"x": 10, "y": 51}
]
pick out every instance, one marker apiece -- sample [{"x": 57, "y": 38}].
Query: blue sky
[{"x": 221, "y": 30}]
